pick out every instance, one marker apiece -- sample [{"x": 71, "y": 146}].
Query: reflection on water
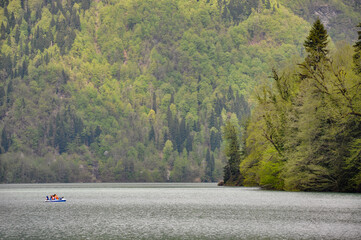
[{"x": 175, "y": 211}]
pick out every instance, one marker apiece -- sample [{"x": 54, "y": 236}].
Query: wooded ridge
[{"x": 120, "y": 90}]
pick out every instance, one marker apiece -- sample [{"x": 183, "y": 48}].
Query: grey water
[{"x": 174, "y": 211}]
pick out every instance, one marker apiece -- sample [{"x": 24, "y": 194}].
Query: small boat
[{"x": 56, "y": 200}]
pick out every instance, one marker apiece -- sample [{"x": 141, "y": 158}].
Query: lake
[{"x": 174, "y": 211}]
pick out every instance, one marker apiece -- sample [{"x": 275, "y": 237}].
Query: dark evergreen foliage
[
  {"x": 209, "y": 167},
  {"x": 152, "y": 134},
  {"x": 316, "y": 44},
  {"x": 17, "y": 35},
  {"x": 6, "y": 12},
  {"x": 85, "y": 4},
  {"x": 189, "y": 143},
  {"x": 11, "y": 21},
  {"x": 154, "y": 102},
  {"x": 232, "y": 174},
  {"x": 5, "y": 140},
  {"x": 3, "y": 31},
  {"x": 9, "y": 92},
  {"x": 2, "y": 96},
  {"x": 215, "y": 140},
  {"x": 357, "y": 55},
  {"x": 236, "y": 10}
]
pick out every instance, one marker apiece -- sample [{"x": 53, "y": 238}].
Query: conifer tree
[
  {"x": 182, "y": 132},
  {"x": 6, "y": 12},
  {"x": 317, "y": 61},
  {"x": 7, "y": 29},
  {"x": 230, "y": 95},
  {"x": 17, "y": 35},
  {"x": 209, "y": 166},
  {"x": 212, "y": 120},
  {"x": 52, "y": 22},
  {"x": 232, "y": 174},
  {"x": 154, "y": 102},
  {"x": 189, "y": 146},
  {"x": 152, "y": 134},
  {"x": 26, "y": 50},
  {"x": 12, "y": 20},
  {"x": 2, "y": 96},
  {"x": 316, "y": 44},
  {"x": 208, "y": 160},
  {"x": 2, "y": 31},
  {"x": 24, "y": 69},
  {"x": 357, "y": 55},
  {"x": 5, "y": 141},
  {"x": 213, "y": 140},
  {"x": 97, "y": 132},
  {"x": 9, "y": 91}
]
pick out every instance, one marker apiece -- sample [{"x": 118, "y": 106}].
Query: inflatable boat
[{"x": 57, "y": 200}]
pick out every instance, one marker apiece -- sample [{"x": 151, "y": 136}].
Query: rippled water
[{"x": 175, "y": 211}]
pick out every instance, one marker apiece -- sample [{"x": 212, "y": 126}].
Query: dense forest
[
  {"x": 121, "y": 90},
  {"x": 305, "y": 131}
]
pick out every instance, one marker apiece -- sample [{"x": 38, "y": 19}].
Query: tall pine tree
[
  {"x": 357, "y": 55},
  {"x": 316, "y": 44},
  {"x": 232, "y": 174},
  {"x": 2, "y": 31},
  {"x": 2, "y": 95},
  {"x": 317, "y": 61},
  {"x": 5, "y": 140}
]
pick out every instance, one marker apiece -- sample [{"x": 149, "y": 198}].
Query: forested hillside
[
  {"x": 305, "y": 131},
  {"x": 133, "y": 90}
]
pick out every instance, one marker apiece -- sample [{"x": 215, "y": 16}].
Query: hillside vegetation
[
  {"x": 305, "y": 131},
  {"x": 132, "y": 90}
]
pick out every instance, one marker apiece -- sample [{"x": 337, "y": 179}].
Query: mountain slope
[{"x": 132, "y": 90}]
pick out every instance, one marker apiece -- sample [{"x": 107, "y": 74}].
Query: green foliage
[
  {"x": 231, "y": 170},
  {"x": 182, "y": 171},
  {"x": 354, "y": 165},
  {"x": 137, "y": 90},
  {"x": 210, "y": 165},
  {"x": 357, "y": 55},
  {"x": 5, "y": 140},
  {"x": 304, "y": 133},
  {"x": 316, "y": 44},
  {"x": 2, "y": 96}
]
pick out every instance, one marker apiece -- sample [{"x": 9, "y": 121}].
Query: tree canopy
[
  {"x": 95, "y": 91},
  {"x": 305, "y": 131}
]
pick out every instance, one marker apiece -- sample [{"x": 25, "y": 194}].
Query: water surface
[{"x": 175, "y": 211}]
